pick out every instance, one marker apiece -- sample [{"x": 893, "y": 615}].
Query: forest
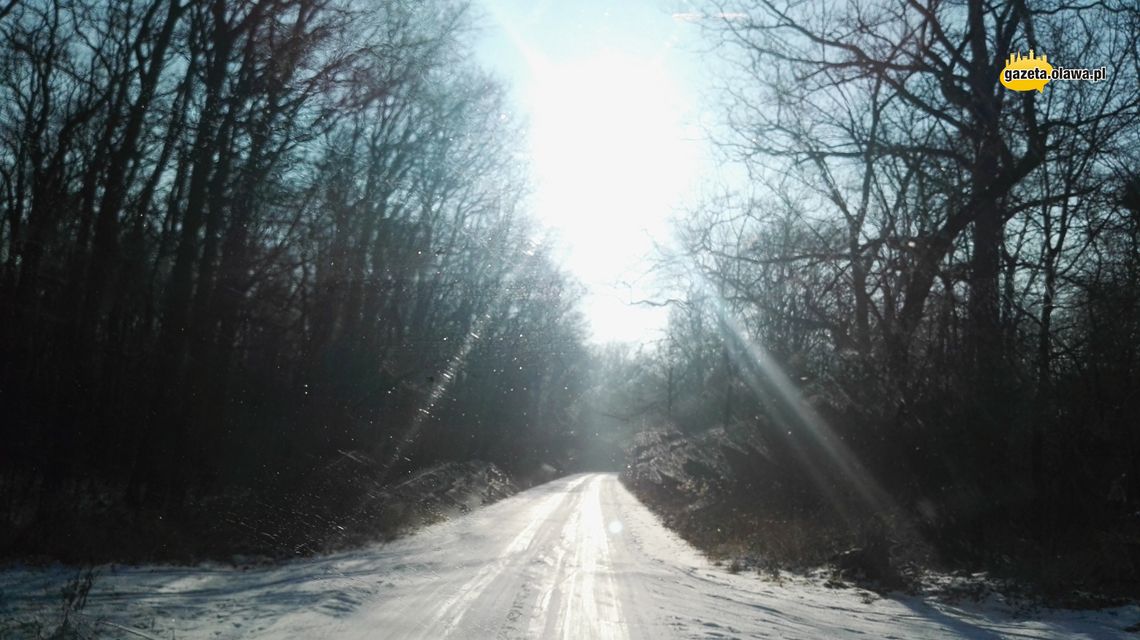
[
  {"x": 917, "y": 315},
  {"x": 244, "y": 241}
]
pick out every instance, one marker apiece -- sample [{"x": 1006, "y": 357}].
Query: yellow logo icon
[{"x": 1026, "y": 73}]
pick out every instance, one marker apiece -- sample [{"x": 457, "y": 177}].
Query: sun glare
[{"x": 611, "y": 157}]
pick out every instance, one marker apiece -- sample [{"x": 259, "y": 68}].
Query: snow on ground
[{"x": 576, "y": 558}]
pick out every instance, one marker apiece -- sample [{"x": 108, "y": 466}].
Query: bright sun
[{"x": 612, "y": 158}]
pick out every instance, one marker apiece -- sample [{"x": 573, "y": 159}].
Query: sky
[{"x": 611, "y": 94}]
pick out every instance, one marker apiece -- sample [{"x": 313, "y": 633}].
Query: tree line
[
  {"x": 242, "y": 239},
  {"x": 922, "y": 280}
]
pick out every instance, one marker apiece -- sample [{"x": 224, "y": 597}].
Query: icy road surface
[{"x": 576, "y": 558}]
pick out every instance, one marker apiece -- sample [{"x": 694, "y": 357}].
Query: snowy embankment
[{"x": 576, "y": 558}]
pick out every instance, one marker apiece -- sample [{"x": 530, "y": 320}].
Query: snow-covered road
[{"x": 576, "y": 558}]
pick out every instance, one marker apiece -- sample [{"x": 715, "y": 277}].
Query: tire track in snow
[
  {"x": 581, "y": 585},
  {"x": 456, "y": 607}
]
